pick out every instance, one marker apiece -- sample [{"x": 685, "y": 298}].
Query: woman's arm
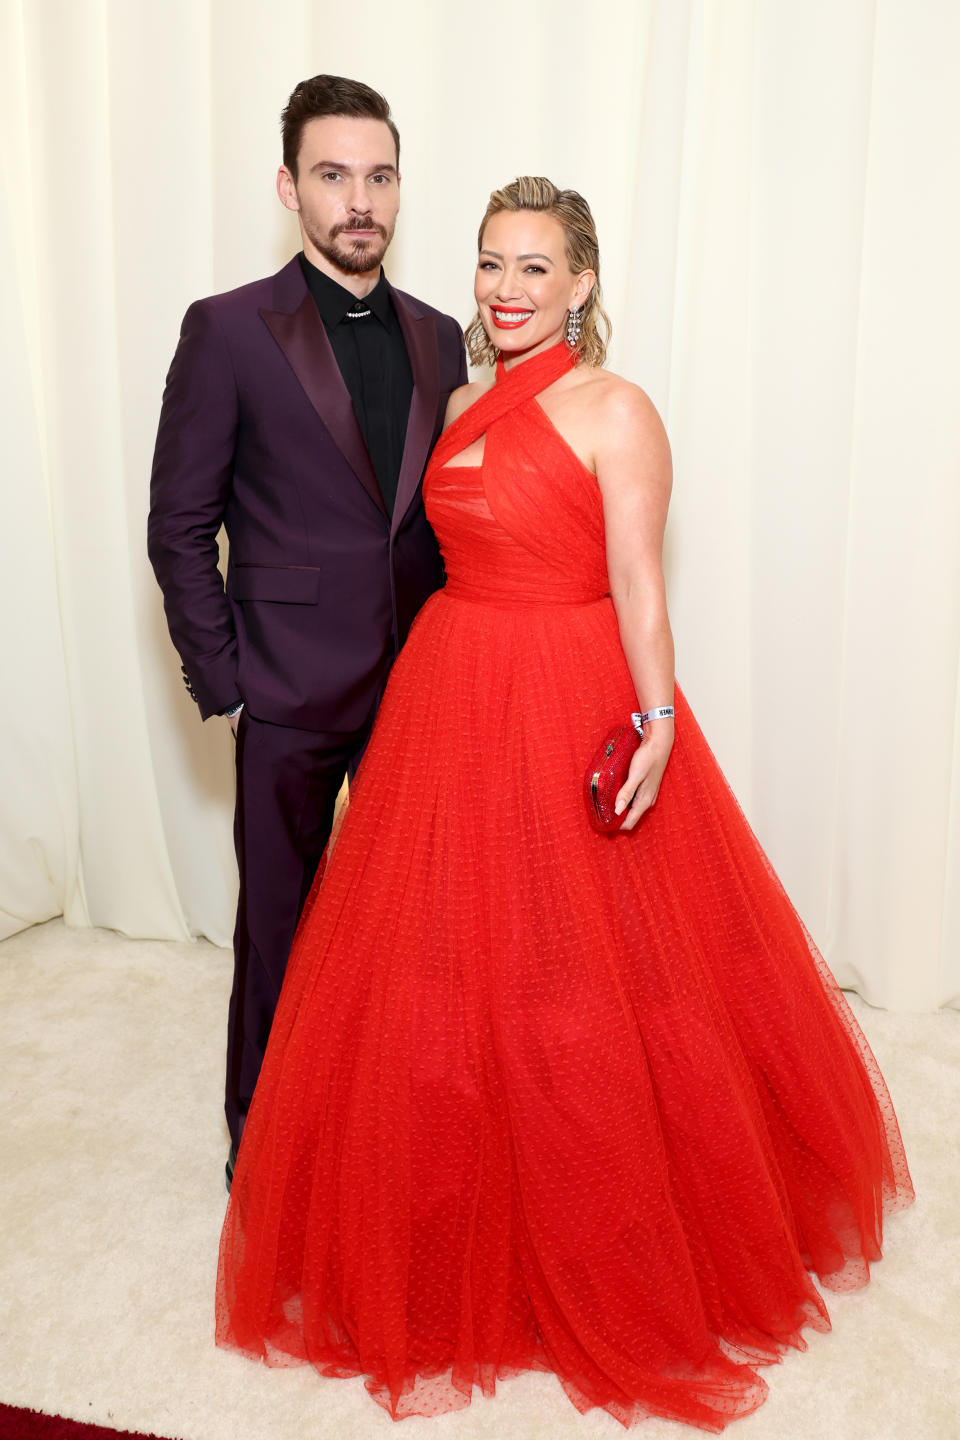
[{"x": 635, "y": 475}]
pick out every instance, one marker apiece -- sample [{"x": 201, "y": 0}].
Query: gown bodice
[{"x": 525, "y": 527}]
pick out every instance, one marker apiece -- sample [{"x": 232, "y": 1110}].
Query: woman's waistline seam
[{"x": 512, "y": 603}]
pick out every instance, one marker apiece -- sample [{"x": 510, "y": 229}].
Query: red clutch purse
[{"x": 606, "y": 775}]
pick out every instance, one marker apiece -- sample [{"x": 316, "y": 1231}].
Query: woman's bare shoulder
[
  {"x": 462, "y": 398},
  {"x": 630, "y": 437},
  {"x": 621, "y": 403}
]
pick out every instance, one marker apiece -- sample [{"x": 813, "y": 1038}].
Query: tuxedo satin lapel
[
  {"x": 304, "y": 342},
  {"x": 420, "y": 335}
]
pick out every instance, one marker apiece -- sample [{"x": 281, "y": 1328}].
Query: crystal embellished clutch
[
  {"x": 607, "y": 771},
  {"x": 606, "y": 774}
]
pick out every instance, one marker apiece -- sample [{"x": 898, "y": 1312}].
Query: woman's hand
[{"x": 642, "y": 784}]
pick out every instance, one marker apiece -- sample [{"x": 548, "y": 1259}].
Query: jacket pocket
[{"x": 285, "y": 584}]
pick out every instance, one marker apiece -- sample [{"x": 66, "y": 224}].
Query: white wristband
[{"x": 659, "y": 712}]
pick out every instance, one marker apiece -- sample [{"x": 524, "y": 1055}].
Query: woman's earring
[{"x": 574, "y": 322}]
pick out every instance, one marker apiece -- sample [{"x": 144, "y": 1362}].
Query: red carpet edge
[{"x": 18, "y": 1424}]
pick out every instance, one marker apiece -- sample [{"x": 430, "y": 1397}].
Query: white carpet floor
[{"x": 112, "y": 1145}]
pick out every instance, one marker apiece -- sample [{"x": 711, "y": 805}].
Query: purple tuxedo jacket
[{"x": 258, "y": 432}]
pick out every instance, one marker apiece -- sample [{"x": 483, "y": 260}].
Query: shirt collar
[{"x": 334, "y": 300}]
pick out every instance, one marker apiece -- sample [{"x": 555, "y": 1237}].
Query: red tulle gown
[{"x": 538, "y": 1098}]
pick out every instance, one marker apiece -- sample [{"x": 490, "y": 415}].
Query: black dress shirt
[{"x": 373, "y": 361}]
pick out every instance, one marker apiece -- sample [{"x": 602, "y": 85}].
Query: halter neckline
[
  {"x": 553, "y": 363},
  {"x": 513, "y": 388}
]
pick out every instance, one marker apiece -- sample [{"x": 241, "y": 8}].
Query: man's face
[{"x": 347, "y": 193}]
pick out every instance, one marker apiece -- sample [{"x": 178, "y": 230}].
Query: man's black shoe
[{"x": 229, "y": 1167}]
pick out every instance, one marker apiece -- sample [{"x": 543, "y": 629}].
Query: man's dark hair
[{"x": 330, "y": 95}]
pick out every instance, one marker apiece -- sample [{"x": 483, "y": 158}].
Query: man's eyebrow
[
  {"x": 348, "y": 169},
  {"x": 497, "y": 256}
]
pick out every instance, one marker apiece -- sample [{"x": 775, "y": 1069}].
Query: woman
[{"x": 538, "y": 1097}]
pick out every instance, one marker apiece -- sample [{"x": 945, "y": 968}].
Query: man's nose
[{"x": 359, "y": 197}]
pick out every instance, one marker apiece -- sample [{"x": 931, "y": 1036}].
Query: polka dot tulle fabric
[{"x": 538, "y": 1098}]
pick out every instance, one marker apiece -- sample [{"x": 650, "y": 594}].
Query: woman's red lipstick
[{"x": 498, "y": 310}]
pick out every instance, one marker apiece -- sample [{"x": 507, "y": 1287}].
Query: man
[{"x": 299, "y": 412}]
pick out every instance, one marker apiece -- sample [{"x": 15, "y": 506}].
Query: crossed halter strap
[{"x": 513, "y": 388}]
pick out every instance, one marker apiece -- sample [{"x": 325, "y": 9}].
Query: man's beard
[{"x": 351, "y": 256}]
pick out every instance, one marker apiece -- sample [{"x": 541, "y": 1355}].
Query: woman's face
[{"x": 524, "y": 286}]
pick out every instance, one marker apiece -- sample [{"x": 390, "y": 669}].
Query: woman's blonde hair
[{"x": 534, "y": 192}]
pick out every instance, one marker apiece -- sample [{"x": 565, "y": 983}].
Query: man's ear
[{"x": 287, "y": 189}]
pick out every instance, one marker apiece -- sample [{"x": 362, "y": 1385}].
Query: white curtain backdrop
[{"x": 775, "y": 190}]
